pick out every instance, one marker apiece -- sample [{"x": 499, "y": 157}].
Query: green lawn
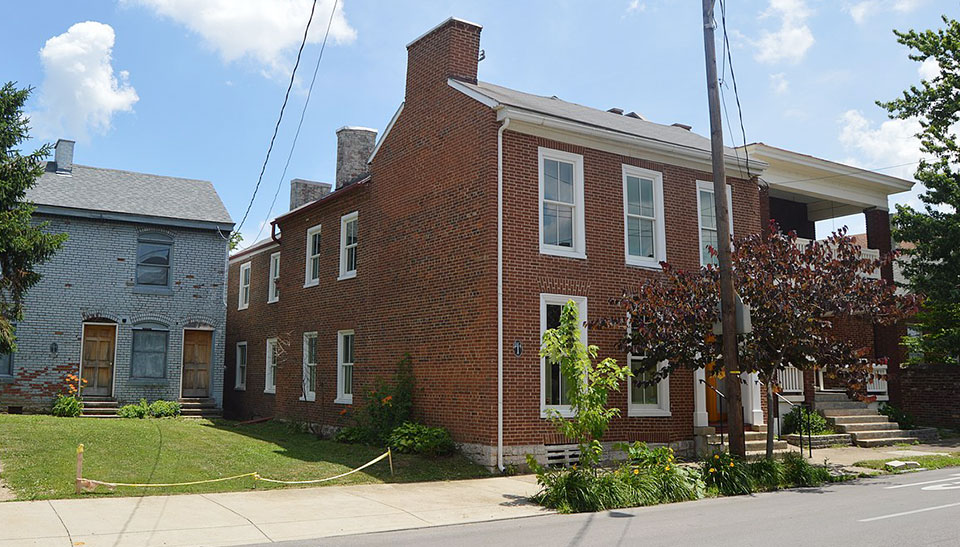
[
  {"x": 39, "y": 456},
  {"x": 927, "y": 462}
]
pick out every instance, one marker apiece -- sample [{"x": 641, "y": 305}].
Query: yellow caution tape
[{"x": 255, "y": 475}]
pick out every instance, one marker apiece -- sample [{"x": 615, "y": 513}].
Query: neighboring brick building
[
  {"x": 456, "y": 238},
  {"x": 134, "y": 296}
]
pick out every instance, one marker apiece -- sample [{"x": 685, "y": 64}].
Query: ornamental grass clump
[
  {"x": 767, "y": 475},
  {"x": 799, "y": 472},
  {"x": 727, "y": 474},
  {"x": 658, "y": 466}
]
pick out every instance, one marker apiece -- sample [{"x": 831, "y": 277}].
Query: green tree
[
  {"x": 23, "y": 244},
  {"x": 588, "y": 384},
  {"x": 933, "y": 267}
]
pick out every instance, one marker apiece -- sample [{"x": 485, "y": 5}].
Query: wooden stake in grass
[
  {"x": 390, "y": 459},
  {"x": 79, "y": 467}
]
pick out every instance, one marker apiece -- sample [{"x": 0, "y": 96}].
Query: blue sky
[{"x": 192, "y": 88}]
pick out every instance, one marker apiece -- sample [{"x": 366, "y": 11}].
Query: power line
[
  {"x": 279, "y": 118},
  {"x": 733, "y": 77},
  {"x": 303, "y": 112}
]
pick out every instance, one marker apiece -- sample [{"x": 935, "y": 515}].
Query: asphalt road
[{"x": 912, "y": 509}]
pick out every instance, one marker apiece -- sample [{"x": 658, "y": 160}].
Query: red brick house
[{"x": 456, "y": 238}]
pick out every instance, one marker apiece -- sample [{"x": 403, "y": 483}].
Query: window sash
[
  {"x": 271, "y": 366},
  {"x": 646, "y": 395},
  {"x": 148, "y": 356},
  {"x": 310, "y": 364},
  {"x": 345, "y": 358},
  {"x": 350, "y": 246},
  {"x": 6, "y": 364},
  {"x": 241, "y": 373},
  {"x": 313, "y": 255},
  {"x": 553, "y": 386},
  {"x": 707, "y": 220},
  {"x": 641, "y": 216},
  {"x": 274, "y": 292},
  {"x": 153, "y": 263},
  {"x": 244, "y": 299}
]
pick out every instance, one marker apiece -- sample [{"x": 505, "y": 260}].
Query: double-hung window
[
  {"x": 6, "y": 365},
  {"x": 243, "y": 299},
  {"x": 148, "y": 357},
  {"x": 644, "y": 233},
  {"x": 309, "y": 366},
  {"x": 153, "y": 260},
  {"x": 553, "y": 386},
  {"x": 312, "y": 275},
  {"x": 707, "y": 217},
  {"x": 273, "y": 291},
  {"x": 270, "y": 368},
  {"x": 561, "y": 204},
  {"x": 240, "y": 382},
  {"x": 647, "y": 399},
  {"x": 348, "y": 246},
  {"x": 345, "y": 367}
]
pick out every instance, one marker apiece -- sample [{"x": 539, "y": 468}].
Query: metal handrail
[
  {"x": 779, "y": 417},
  {"x": 722, "y": 397}
]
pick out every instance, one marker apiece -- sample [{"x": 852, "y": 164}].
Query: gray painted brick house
[{"x": 134, "y": 302}]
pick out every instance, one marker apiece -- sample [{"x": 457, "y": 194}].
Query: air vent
[
  {"x": 563, "y": 455},
  {"x": 615, "y": 111},
  {"x": 682, "y": 126}
]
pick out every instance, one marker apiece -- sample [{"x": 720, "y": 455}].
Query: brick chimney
[
  {"x": 305, "y": 191},
  {"x": 354, "y": 147},
  {"x": 63, "y": 156},
  {"x": 448, "y": 50}
]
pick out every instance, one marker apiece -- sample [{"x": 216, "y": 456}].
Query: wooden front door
[
  {"x": 197, "y": 350},
  {"x": 716, "y": 406},
  {"x": 96, "y": 363}
]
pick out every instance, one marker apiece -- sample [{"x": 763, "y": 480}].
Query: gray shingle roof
[
  {"x": 553, "y": 106},
  {"x": 114, "y": 191}
]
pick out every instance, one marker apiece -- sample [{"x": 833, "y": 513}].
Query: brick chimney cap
[
  {"x": 356, "y": 128},
  {"x": 443, "y": 24}
]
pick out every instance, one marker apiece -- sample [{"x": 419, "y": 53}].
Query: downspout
[{"x": 503, "y": 127}]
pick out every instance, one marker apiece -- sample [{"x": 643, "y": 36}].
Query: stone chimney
[
  {"x": 63, "y": 156},
  {"x": 448, "y": 50},
  {"x": 354, "y": 147},
  {"x": 303, "y": 192}
]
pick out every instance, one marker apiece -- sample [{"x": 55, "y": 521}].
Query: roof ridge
[{"x": 75, "y": 165}]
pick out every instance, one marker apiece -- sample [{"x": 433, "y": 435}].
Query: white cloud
[
  {"x": 264, "y": 31},
  {"x": 779, "y": 83},
  {"x": 893, "y": 142},
  {"x": 80, "y": 92},
  {"x": 865, "y": 9},
  {"x": 636, "y": 6},
  {"x": 792, "y": 40},
  {"x": 929, "y": 69}
]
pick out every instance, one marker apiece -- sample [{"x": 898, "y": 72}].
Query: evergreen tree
[
  {"x": 23, "y": 244},
  {"x": 933, "y": 267}
]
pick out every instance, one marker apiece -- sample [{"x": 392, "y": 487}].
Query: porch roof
[{"x": 829, "y": 189}]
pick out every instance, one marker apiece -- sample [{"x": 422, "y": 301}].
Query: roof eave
[{"x": 224, "y": 227}]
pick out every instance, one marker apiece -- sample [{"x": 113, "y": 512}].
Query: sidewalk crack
[
  {"x": 65, "y": 529},
  {"x": 391, "y": 506},
  {"x": 244, "y": 517}
]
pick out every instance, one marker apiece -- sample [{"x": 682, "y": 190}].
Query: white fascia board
[
  {"x": 386, "y": 132},
  {"x": 473, "y": 94},
  {"x": 893, "y": 185},
  {"x": 620, "y": 143}
]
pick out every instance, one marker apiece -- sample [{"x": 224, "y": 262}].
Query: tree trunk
[{"x": 770, "y": 402}]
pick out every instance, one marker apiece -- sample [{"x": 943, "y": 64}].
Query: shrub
[
  {"x": 799, "y": 472},
  {"x": 658, "y": 467},
  {"x": 138, "y": 410},
  {"x": 580, "y": 489},
  {"x": 902, "y": 417},
  {"x": 767, "y": 475},
  {"x": 388, "y": 407},
  {"x": 817, "y": 423},
  {"x": 413, "y": 438},
  {"x": 728, "y": 474},
  {"x": 164, "y": 409},
  {"x": 67, "y": 406}
]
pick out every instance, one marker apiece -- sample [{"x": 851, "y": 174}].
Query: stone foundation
[
  {"x": 820, "y": 441},
  {"x": 516, "y": 455}
]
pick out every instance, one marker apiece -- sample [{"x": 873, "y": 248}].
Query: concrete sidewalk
[
  {"x": 846, "y": 456},
  {"x": 239, "y": 518}
]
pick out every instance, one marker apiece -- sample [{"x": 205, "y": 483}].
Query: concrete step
[
  {"x": 881, "y": 434},
  {"x": 99, "y": 416},
  {"x": 831, "y": 405},
  {"x": 98, "y": 404},
  {"x": 862, "y": 411},
  {"x": 865, "y": 419},
  {"x": 830, "y": 396},
  {"x": 755, "y": 445},
  {"x": 754, "y": 455},
  {"x": 869, "y": 426},
  {"x": 888, "y": 441},
  {"x": 747, "y": 435}
]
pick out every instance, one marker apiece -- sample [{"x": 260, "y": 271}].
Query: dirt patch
[{"x": 5, "y": 493}]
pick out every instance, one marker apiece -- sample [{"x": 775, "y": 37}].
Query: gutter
[{"x": 503, "y": 127}]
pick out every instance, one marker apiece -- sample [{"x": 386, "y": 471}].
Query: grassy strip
[
  {"x": 39, "y": 456},
  {"x": 927, "y": 462}
]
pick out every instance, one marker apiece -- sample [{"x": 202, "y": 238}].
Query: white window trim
[
  {"x": 344, "y": 273},
  {"x": 708, "y": 185},
  {"x": 343, "y": 398},
  {"x": 241, "y": 304},
  {"x": 271, "y": 354},
  {"x": 272, "y": 283},
  {"x": 558, "y": 299},
  {"x": 662, "y": 408},
  {"x": 240, "y": 382},
  {"x": 659, "y": 229},
  {"x": 579, "y": 249},
  {"x": 307, "y": 395},
  {"x": 307, "y": 280}
]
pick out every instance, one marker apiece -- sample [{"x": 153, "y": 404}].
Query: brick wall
[{"x": 92, "y": 276}]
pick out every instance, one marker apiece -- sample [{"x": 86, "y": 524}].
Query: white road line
[
  {"x": 952, "y": 477},
  {"x": 910, "y": 512}
]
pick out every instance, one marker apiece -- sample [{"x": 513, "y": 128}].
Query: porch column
[
  {"x": 886, "y": 338},
  {"x": 700, "y": 418},
  {"x": 752, "y": 409}
]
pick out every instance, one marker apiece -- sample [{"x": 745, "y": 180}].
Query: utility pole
[{"x": 731, "y": 366}]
